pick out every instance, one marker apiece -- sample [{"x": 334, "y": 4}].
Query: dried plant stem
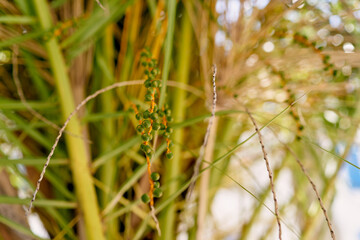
[
  {"x": 100, "y": 5},
  {"x": 204, "y": 185},
  {"x": 78, "y": 107},
  {"x": 269, "y": 171},
  {"x": 332, "y": 233},
  {"x": 20, "y": 92},
  {"x": 153, "y": 215},
  {"x": 206, "y": 138},
  {"x": 186, "y": 215}
]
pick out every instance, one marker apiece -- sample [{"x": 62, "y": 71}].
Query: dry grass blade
[
  {"x": 153, "y": 215},
  {"x": 78, "y": 107},
  {"x": 100, "y": 5},
  {"x": 186, "y": 215},
  {"x": 332, "y": 233},
  {"x": 268, "y": 168},
  {"x": 207, "y": 134}
]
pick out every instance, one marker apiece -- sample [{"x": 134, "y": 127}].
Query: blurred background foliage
[{"x": 293, "y": 64}]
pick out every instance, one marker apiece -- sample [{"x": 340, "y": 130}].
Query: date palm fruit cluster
[
  {"x": 303, "y": 41},
  {"x": 152, "y": 121}
]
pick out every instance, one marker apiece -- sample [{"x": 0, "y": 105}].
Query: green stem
[
  {"x": 38, "y": 202},
  {"x": 76, "y": 147},
  {"x": 179, "y": 110},
  {"x": 168, "y": 49},
  {"x": 108, "y": 171}
]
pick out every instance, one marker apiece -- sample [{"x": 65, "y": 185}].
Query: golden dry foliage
[{"x": 292, "y": 64}]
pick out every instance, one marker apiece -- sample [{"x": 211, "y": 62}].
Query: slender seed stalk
[
  {"x": 269, "y": 171},
  {"x": 67, "y": 122}
]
